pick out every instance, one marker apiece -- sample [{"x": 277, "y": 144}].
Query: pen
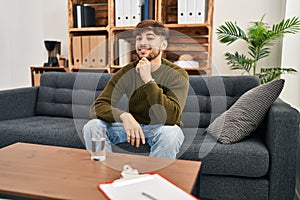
[{"x": 149, "y": 196}]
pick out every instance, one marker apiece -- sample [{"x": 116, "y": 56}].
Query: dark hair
[{"x": 157, "y": 27}]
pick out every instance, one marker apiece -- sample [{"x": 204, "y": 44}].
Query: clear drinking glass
[{"x": 98, "y": 144}]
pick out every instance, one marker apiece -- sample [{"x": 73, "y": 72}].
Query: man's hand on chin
[{"x": 144, "y": 69}]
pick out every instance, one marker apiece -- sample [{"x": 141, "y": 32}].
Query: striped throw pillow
[{"x": 245, "y": 115}]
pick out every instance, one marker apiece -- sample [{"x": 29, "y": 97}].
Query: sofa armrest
[
  {"x": 282, "y": 131},
  {"x": 18, "y": 103}
]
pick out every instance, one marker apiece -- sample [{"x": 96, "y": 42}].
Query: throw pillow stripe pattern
[{"x": 246, "y": 113}]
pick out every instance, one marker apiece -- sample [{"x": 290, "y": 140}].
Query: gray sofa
[{"x": 262, "y": 166}]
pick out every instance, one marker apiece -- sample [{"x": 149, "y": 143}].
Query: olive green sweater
[{"x": 159, "y": 102}]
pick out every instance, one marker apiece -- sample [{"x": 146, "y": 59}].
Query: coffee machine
[{"x": 53, "y": 48}]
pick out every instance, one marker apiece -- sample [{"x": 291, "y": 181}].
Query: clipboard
[{"x": 150, "y": 186}]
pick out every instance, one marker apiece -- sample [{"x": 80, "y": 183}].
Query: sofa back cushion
[
  {"x": 69, "y": 94},
  {"x": 209, "y": 96},
  {"x": 72, "y": 94}
]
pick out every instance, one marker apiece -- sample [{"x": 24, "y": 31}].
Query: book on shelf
[
  {"x": 124, "y": 52},
  {"x": 148, "y": 9},
  {"x": 151, "y": 9},
  {"x": 76, "y": 46},
  {"x": 135, "y": 12},
  {"x": 84, "y": 16},
  {"x": 119, "y": 12},
  {"x": 98, "y": 46},
  {"x": 200, "y": 13},
  {"x": 85, "y": 50}
]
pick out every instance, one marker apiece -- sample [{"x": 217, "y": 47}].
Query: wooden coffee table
[{"x": 49, "y": 172}]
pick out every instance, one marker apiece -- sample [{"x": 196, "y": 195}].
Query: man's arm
[
  {"x": 103, "y": 106},
  {"x": 171, "y": 98}
]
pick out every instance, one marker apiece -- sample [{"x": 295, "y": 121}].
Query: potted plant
[{"x": 259, "y": 37}]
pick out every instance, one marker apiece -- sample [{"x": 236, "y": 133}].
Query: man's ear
[{"x": 164, "y": 44}]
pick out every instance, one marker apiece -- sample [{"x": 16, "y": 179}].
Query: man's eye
[
  {"x": 150, "y": 38},
  {"x": 138, "y": 39}
]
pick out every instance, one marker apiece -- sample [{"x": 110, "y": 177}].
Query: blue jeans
[{"x": 165, "y": 141}]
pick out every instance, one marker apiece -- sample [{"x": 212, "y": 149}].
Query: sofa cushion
[
  {"x": 55, "y": 131},
  {"x": 246, "y": 114},
  {"x": 210, "y": 96},
  {"x": 234, "y": 188},
  {"x": 249, "y": 158},
  {"x": 69, "y": 94}
]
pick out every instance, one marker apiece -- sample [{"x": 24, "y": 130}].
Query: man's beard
[{"x": 149, "y": 57}]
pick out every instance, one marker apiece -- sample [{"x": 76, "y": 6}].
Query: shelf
[
  {"x": 193, "y": 39},
  {"x": 88, "y": 29},
  {"x": 189, "y": 70},
  {"x": 177, "y": 26},
  {"x": 36, "y": 72},
  {"x": 94, "y": 70},
  {"x": 123, "y": 28}
]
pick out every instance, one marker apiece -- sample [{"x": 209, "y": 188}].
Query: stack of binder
[
  {"x": 84, "y": 16},
  {"x": 89, "y": 51},
  {"x": 191, "y": 11},
  {"x": 130, "y": 13}
]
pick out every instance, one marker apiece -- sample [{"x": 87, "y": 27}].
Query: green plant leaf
[
  {"x": 269, "y": 74},
  {"x": 291, "y": 25},
  {"x": 258, "y": 33},
  {"x": 257, "y": 53},
  {"x": 237, "y": 61},
  {"x": 230, "y": 32},
  {"x": 263, "y": 52},
  {"x": 260, "y": 37}
]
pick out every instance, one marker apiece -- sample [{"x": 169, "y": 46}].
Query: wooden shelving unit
[
  {"x": 36, "y": 71},
  {"x": 193, "y": 39}
]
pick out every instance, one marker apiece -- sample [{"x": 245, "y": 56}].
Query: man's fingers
[
  {"x": 143, "y": 139},
  {"x": 128, "y": 136},
  {"x": 145, "y": 59},
  {"x": 137, "y": 139},
  {"x": 142, "y": 136},
  {"x": 137, "y": 68},
  {"x": 132, "y": 138}
]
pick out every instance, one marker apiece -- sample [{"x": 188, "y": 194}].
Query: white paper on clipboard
[{"x": 150, "y": 187}]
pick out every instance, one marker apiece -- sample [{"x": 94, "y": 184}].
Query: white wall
[
  {"x": 56, "y": 23},
  {"x": 19, "y": 38},
  {"x": 24, "y": 27},
  {"x": 291, "y": 58}
]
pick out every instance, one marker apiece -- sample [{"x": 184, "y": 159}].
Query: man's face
[{"x": 148, "y": 44}]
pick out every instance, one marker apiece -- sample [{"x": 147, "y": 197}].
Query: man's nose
[{"x": 144, "y": 41}]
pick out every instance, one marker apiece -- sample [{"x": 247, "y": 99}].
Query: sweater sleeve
[
  {"x": 171, "y": 98},
  {"x": 104, "y": 105}
]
